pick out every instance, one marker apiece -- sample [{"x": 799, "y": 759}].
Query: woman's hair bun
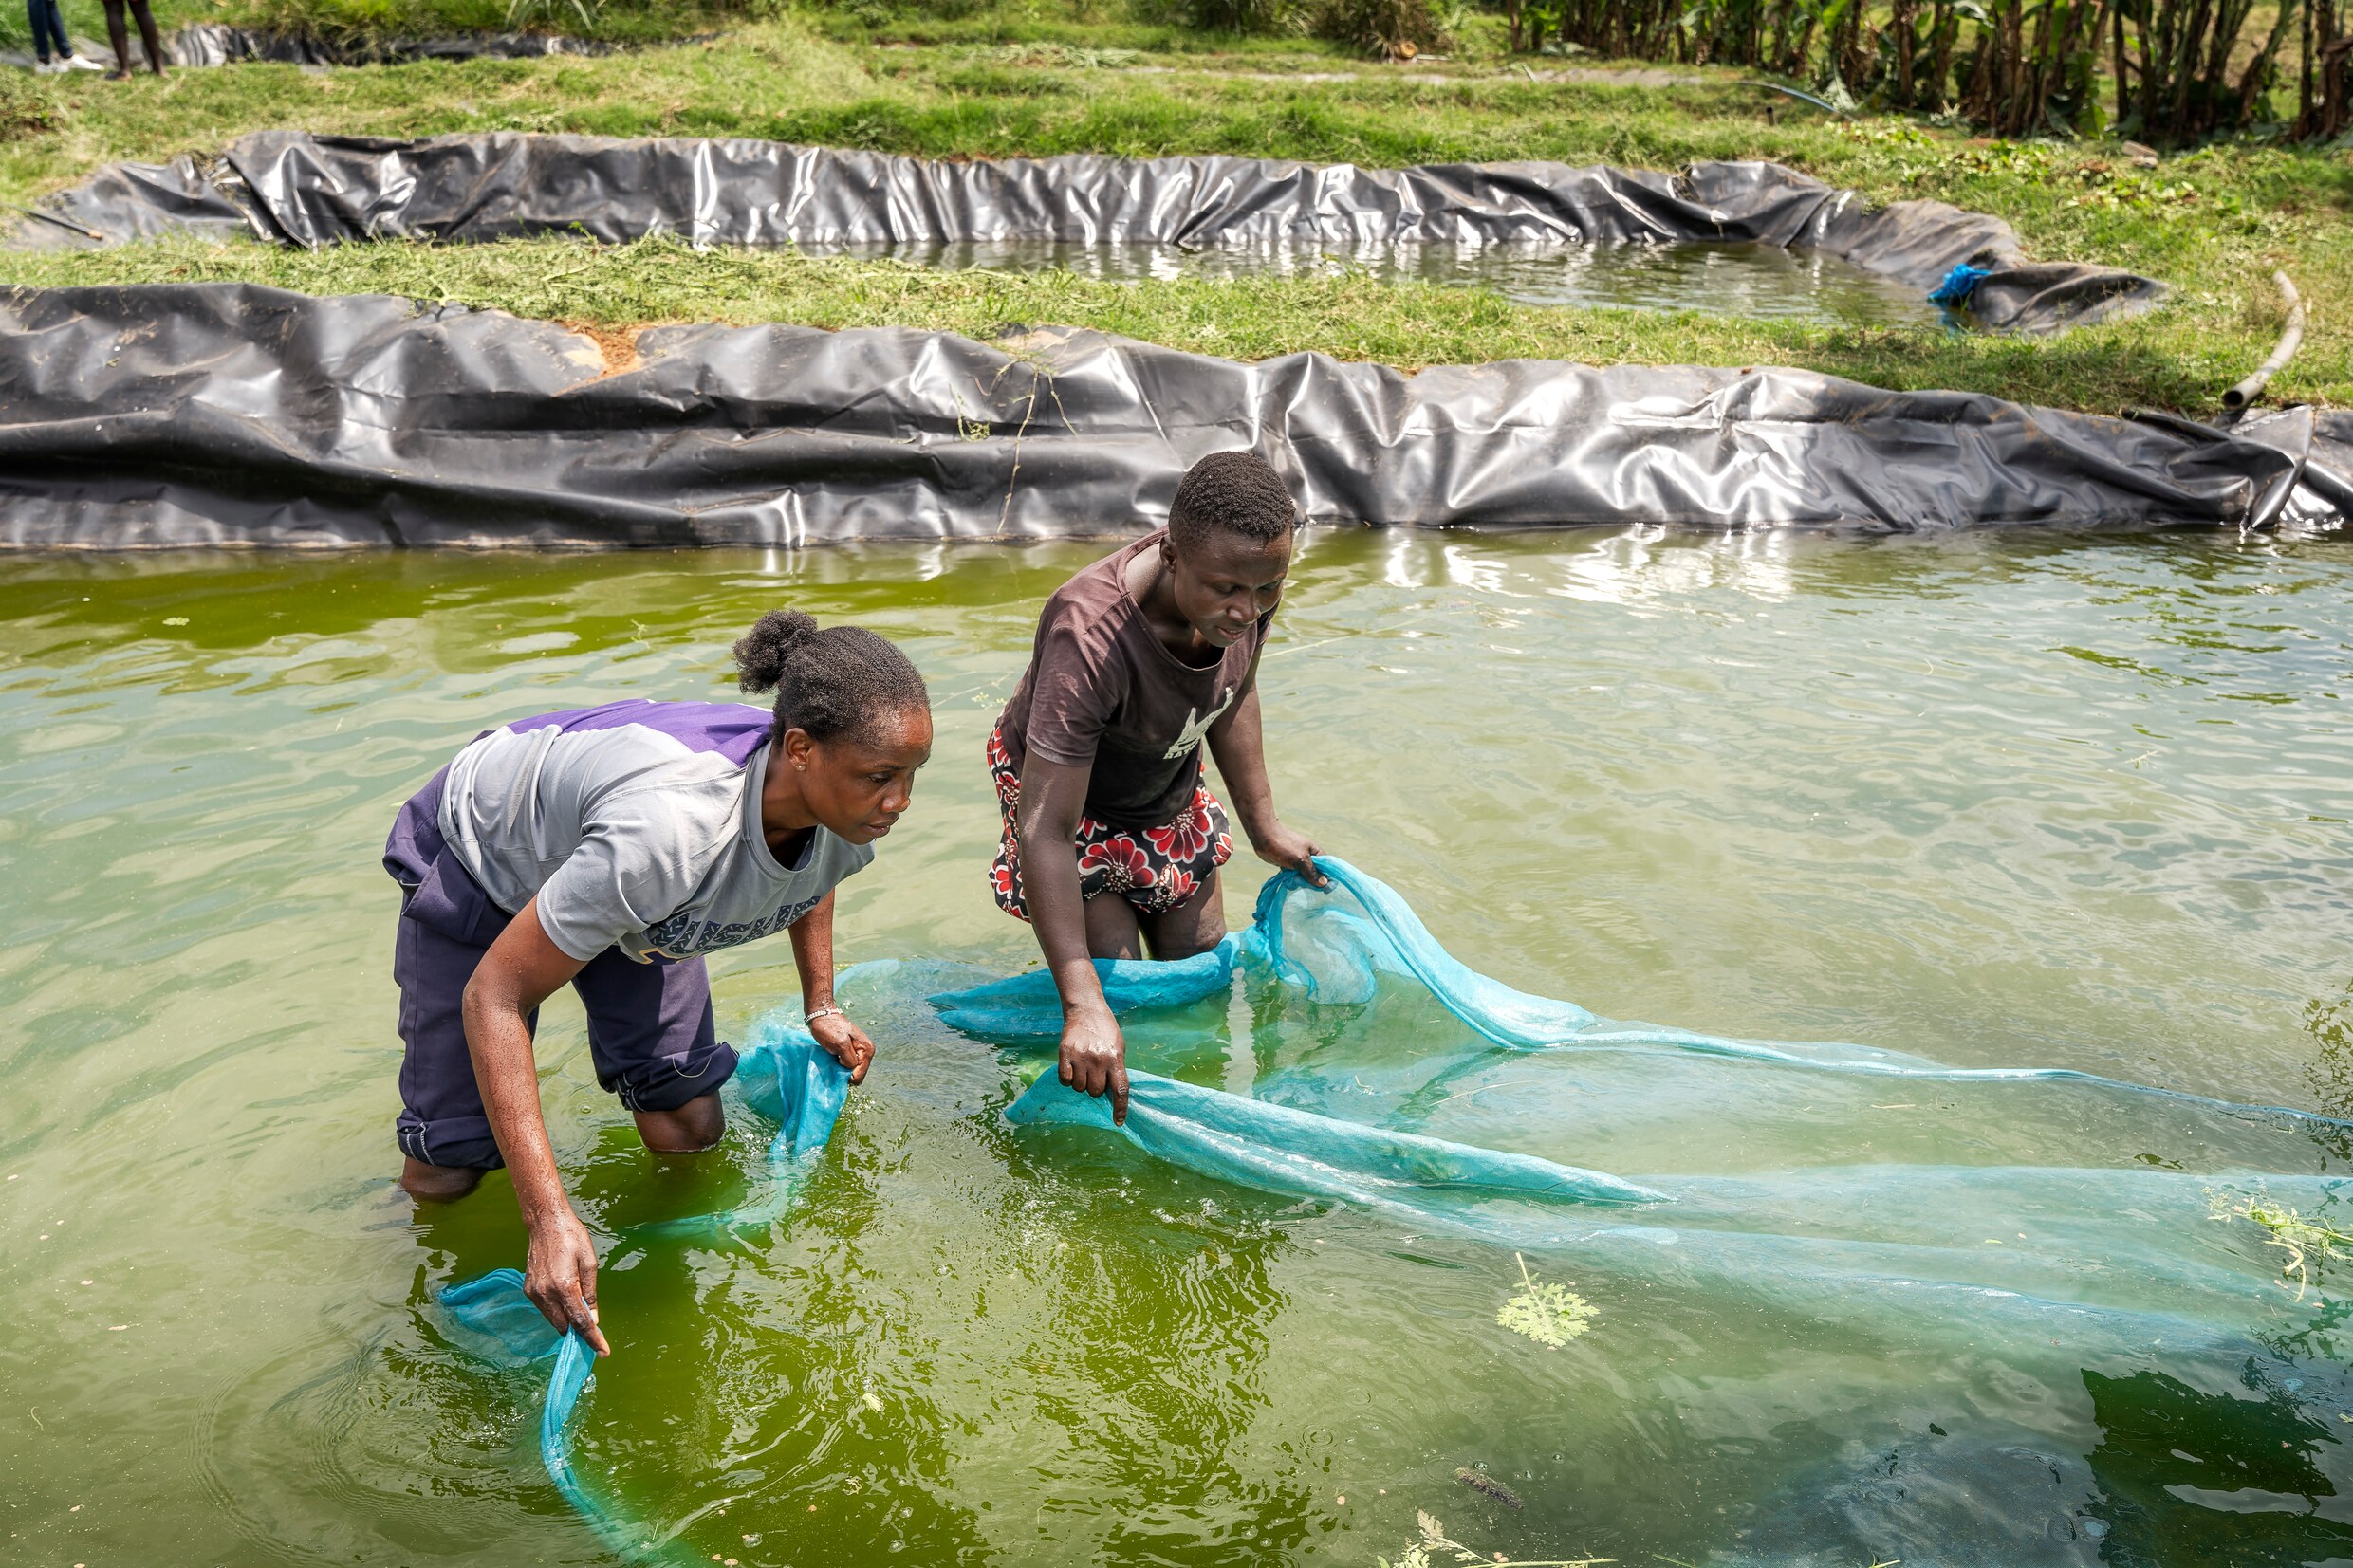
[
  {"x": 826, "y": 683},
  {"x": 763, "y": 653}
]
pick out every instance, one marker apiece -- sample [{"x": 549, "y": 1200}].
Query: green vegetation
[
  {"x": 1410, "y": 325},
  {"x": 2179, "y": 70},
  {"x": 23, "y": 108},
  {"x": 1010, "y": 82},
  {"x": 2311, "y": 1243},
  {"x": 1548, "y": 1314}
]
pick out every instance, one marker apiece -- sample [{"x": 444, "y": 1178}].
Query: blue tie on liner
[
  {"x": 1960, "y": 287},
  {"x": 2119, "y": 1259}
]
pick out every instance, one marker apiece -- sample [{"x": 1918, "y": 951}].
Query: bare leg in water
[
  {"x": 691, "y": 1129},
  {"x": 118, "y": 35},
  {"x": 1116, "y": 930}
]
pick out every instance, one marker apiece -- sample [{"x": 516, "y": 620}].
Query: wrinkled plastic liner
[
  {"x": 229, "y": 414},
  {"x": 214, "y": 415},
  {"x": 201, "y": 44},
  {"x": 301, "y": 189}
]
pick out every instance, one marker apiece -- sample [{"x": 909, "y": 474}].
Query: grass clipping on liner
[{"x": 1548, "y": 1314}]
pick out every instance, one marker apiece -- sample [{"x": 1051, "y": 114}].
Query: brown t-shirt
[{"x": 1102, "y": 689}]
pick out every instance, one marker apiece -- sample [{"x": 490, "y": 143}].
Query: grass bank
[
  {"x": 2214, "y": 223},
  {"x": 1408, "y": 324},
  {"x": 627, "y": 21}
]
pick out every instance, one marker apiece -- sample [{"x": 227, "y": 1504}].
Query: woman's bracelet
[{"x": 829, "y": 1010}]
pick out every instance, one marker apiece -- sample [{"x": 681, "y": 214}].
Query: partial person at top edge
[
  {"x": 611, "y": 848},
  {"x": 1112, "y": 840},
  {"x": 48, "y": 21}
]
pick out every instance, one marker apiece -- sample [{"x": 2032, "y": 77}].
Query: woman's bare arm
[
  {"x": 1094, "y": 1053},
  {"x": 522, "y": 970},
  {"x": 1237, "y": 740},
  {"x": 812, "y": 954}
]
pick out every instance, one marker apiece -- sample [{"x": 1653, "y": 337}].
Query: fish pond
[
  {"x": 1768, "y": 282},
  {"x": 2076, "y": 803}
]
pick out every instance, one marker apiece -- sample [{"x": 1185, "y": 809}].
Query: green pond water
[{"x": 2080, "y": 803}]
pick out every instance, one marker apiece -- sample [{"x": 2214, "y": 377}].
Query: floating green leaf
[{"x": 1548, "y": 1314}]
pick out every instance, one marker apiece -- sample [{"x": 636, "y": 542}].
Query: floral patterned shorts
[{"x": 1156, "y": 869}]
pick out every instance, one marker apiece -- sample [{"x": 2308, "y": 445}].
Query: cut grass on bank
[{"x": 2212, "y": 223}]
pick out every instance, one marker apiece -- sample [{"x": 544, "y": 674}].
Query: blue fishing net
[
  {"x": 1922, "y": 1202},
  {"x": 783, "y": 1077}
]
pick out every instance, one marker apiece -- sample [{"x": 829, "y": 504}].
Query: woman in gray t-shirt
[{"x": 611, "y": 847}]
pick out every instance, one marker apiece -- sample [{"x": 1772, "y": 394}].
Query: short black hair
[
  {"x": 832, "y": 682},
  {"x": 1236, "y": 491}
]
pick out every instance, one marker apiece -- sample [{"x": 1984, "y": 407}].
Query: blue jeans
[{"x": 48, "y": 23}]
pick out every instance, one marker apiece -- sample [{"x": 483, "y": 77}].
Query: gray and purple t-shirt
[{"x": 637, "y": 825}]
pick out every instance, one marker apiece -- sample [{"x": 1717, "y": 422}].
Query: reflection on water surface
[{"x": 1768, "y": 280}]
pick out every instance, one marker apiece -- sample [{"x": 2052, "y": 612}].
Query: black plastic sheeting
[
  {"x": 312, "y": 190},
  {"x": 211, "y": 414},
  {"x": 217, "y": 44}
]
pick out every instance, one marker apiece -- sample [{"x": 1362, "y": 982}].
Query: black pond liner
[
  {"x": 307, "y": 189},
  {"x": 201, "y": 44},
  {"x": 229, "y": 414},
  {"x": 212, "y": 413}
]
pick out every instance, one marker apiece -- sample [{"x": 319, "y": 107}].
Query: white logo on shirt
[{"x": 1197, "y": 727}]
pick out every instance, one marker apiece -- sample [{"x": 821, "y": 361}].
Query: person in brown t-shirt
[{"x": 1112, "y": 840}]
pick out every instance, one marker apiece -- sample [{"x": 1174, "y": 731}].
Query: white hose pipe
[{"x": 2243, "y": 394}]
